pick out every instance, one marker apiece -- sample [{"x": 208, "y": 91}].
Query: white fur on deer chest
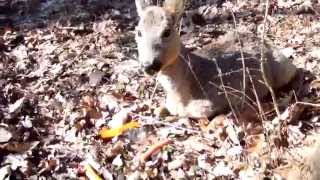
[
  {"x": 177, "y": 95},
  {"x": 167, "y": 83},
  {"x": 173, "y": 84}
]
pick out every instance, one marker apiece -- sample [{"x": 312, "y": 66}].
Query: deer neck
[{"x": 174, "y": 76}]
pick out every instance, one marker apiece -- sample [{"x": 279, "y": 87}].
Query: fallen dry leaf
[
  {"x": 90, "y": 173},
  {"x": 154, "y": 149},
  {"x": 216, "y": 122},
  {"x": 117, "y": 161},
  {"x": 256, "y": 144},
  {"x": 5, "y": 135},
  {"x": 5, "y": 171},
  {"x": 19, "y": 147},
  {"x": 119, "y": 118},
  {"x": 315, "y": 84},
  {"x": 91, "y": 107},
  {"x": 17, "y": 105},
  {"x": 295, "y": 112},
  {"x": 106, "y": 133},
  {"x": 177, "y": 163}
]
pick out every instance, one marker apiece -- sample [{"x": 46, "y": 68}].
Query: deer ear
[
  {"x": 141, "y": 5},
  {"x": 176, "y": 7}
]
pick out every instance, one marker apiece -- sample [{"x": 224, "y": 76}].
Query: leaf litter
[{"x": 74, "y": 103}]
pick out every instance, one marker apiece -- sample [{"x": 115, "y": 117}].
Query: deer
[{"x": 205, "y": 82}]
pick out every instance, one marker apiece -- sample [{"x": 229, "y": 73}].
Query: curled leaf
[
  {"x": 315, "y": 84},
  {"x": 106, "y": 133},
  {"x": 90, "y": 107},
  {"x": 153, "y": 149}
]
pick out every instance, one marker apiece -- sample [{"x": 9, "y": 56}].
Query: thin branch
[
  {"x": 251, "y": 101},
  {"x": 264, "y": 61},
  {"x": 242, "y": 55},
  {"x": 309, "y": 104},
  {"x": 155, "y": 121},
  {"x": 194, "y": 75},
  {"x": 262, "y": 114},
  {"x": 155, "y": 88},
  {"x": 225, "y": 92}
]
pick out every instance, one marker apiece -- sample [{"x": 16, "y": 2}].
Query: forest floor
[{"x": 69, "y": 78}]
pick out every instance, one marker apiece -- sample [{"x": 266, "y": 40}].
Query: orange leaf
[
  {"x": 153, "y": 149},
  {"x": 106, "y": 133}
]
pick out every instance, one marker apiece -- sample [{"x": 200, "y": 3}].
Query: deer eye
[
  {"x": 166, "y": 33},
  {"x": 139, "y": 33}
]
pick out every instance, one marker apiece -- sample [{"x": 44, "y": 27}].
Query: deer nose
[{"x": 153, "y": 67}]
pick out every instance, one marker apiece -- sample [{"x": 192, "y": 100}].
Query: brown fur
[{"x": 191, "y": 79}]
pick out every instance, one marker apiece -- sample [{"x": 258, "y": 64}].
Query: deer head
[{"x": 156, "y": 34}]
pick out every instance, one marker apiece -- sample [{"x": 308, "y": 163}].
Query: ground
[{"x": 69, "y": 78}]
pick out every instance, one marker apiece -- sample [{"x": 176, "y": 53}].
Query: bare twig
[
  {"x": 262, "y": 114},
  {"x": 154, "y": 121},
  {"x": 154, "y": 89},
  {"x": 251, "y": 101},
  {"x": 309, "y": 104},
  {"x": 264, "y": 61},
  {"x": 235, "y": 71},
  {"x": 187, "y": 61},
  {"x": 225, "y": 92},
  {"x": 242, "y": 55},
  {"x": 146, "y": 120}
]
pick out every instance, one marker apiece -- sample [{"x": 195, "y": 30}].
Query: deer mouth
[{"x": 153, "y": 68}]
